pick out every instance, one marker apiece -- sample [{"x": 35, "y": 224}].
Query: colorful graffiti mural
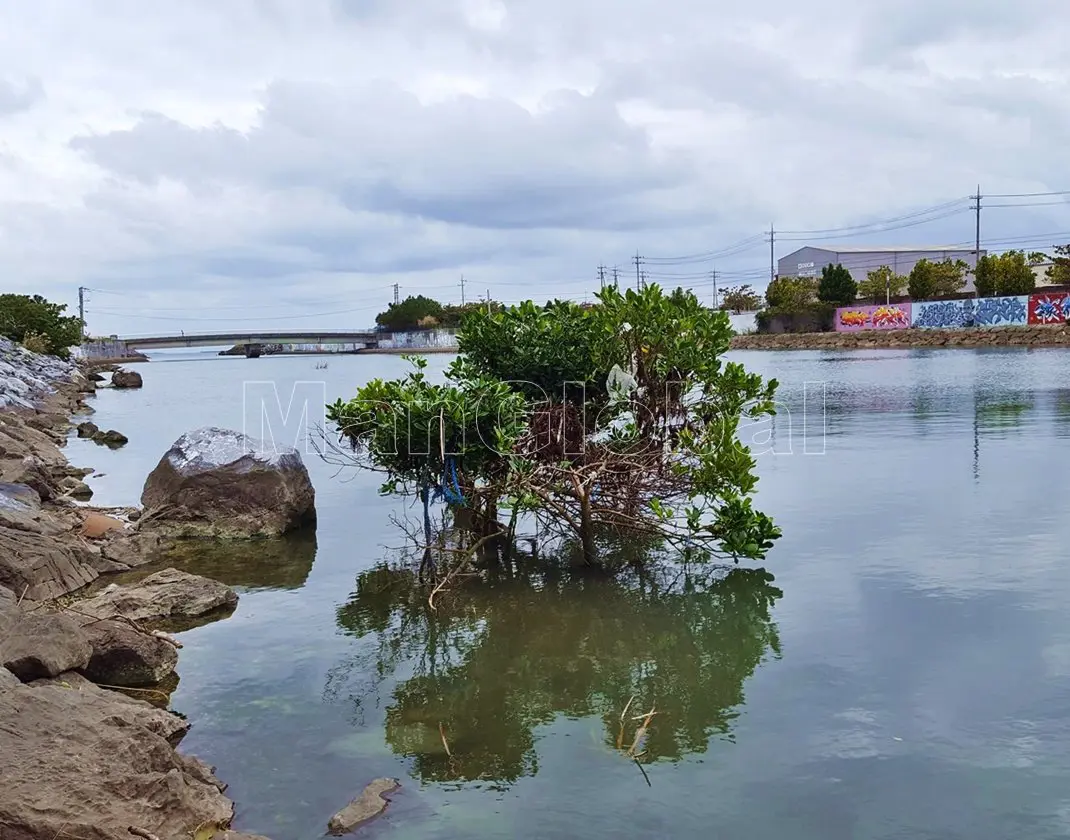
[
  {"x": 939, "y": 314},
  {"x": 1049, "y": 308},
  {"x": 888, "y": 317},
  {"x": 980, "y": 312},
  {"x": 998, "y": 311}
]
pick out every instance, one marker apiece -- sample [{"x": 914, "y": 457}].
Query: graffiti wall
[
  {"x": 1050, "y": 308},
  {"x": 1039, "y": 308},
  {"x": 934, "y": 314},
  {"x": 886, "y": 317},
  {"x": 980, "y": 312}
]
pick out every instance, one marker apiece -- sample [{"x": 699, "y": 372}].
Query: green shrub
[
  {"x": 837, "y": 286},
  {"x": 791, "y": 292},
  {"x": 24, "y": 315}
]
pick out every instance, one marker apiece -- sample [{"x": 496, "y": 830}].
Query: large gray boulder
[
  {"x": 42, "y": 645},
  {"x": 220, "y": 483},
  {"x": 167, "y": 595},
  {"x": 126, "y": 379},
  {"x": 79, "y": 761},
  {"x": 127, "y": 657}
]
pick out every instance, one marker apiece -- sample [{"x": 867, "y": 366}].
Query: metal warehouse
[{"x": 808, "y": 261}]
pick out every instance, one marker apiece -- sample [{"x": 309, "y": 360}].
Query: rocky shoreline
[
  {"x": 1032, "y": 336},
  {"x": 81, "y": 759}
]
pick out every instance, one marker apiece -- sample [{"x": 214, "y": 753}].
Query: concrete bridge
[{"x": 253, "y": 342}]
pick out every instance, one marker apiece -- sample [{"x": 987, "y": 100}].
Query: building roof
[{"x": 890, "y": 249}]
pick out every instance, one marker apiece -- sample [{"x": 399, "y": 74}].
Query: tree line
[
  {"x": 39, "y": 325},
  {"x": 996, "y": 275},
  {"x": 418, "y": 312}
]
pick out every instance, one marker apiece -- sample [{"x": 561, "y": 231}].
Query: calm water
[{"x": 901, "y": 669}]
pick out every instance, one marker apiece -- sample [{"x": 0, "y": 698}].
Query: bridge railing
[{"x": 227, "y": 334}]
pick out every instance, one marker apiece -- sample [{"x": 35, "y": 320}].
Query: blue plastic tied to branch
[{"x": 451, "y": 488}]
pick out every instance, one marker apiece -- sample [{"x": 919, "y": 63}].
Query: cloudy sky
[{"x": 216, "y": 165}]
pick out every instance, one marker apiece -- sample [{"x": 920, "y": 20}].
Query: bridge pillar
[{"x": 253, "y": 351}]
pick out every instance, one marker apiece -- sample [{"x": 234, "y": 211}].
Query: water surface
[{"x": 900, "y": 669}]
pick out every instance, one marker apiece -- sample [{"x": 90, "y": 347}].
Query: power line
[
  {"x": 743, "y": 245},
  {"x": 936, "y": 208},
  {"x": 1029, "y": 195},
  {"x": 1034, "y": 204}
]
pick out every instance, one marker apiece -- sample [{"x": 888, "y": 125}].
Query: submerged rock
[
  {"x": 166, "y": 595},
  {"x": 126, "y": 379},
  {"x": 220, "y": 483},
  {"x": 111, "y": 438},
  {"x": 370, "y": 803},
  {"x": 35, "y": 646},
  {"x": 79, "y": 761}
]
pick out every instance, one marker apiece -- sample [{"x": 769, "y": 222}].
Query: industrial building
[{"x": 808, "y": 261}]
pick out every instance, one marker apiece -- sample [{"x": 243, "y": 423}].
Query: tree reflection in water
[{"x": 501, "y": 656}]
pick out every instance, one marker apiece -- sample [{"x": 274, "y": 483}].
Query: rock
[
  {"x": 33, "y": 472},
  {"x": 8, "y": 680},
  {"x": 35, "y": 646},
  {"x": 87, "y": 430},
  {"x": 20, "y": 509},
  {"x": 124, "y": 656},
  {"x": 134, "y": 515},
  {"x": 111, "y": 438},
  {"x": 45, "y": 565},
  {"x": 370, "y": 803},
  {"x": 97, "y": 525},
  {"x": 126, "y": 379},
  {"x": 219, "y": 483},
  {"x": 83, "y": 762},
  {"x": 167, "y": 595},
  {"x": 20, "y": 494},
  {"x": 77, "y": 489},
  {"x": 96, "y": 377}
]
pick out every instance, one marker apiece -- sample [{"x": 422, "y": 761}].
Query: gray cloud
[{"x": 288, "y": 150}]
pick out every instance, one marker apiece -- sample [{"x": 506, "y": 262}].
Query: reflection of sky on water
[{"x": 925, "y": 643}]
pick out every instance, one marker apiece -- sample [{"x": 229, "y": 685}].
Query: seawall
[{"x": 1029, "y": 336}]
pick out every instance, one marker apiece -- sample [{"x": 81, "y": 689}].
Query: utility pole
[
  {"x": 462, "y": 290},
  {"x": 772, "y": 262},
  {"x": 615, "y": 283},
  {"x": 488, "y": 301},
  {"x": 395, "y": 294},
  {"x": 713, "y": 276},
  {"x": 601, "y": 276},
  {"x": 976, "y": 207},
  {"x": 642, "y": 277},
  {"x": 81, "y": 308},
  {"x": 638, "y": 278}
]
